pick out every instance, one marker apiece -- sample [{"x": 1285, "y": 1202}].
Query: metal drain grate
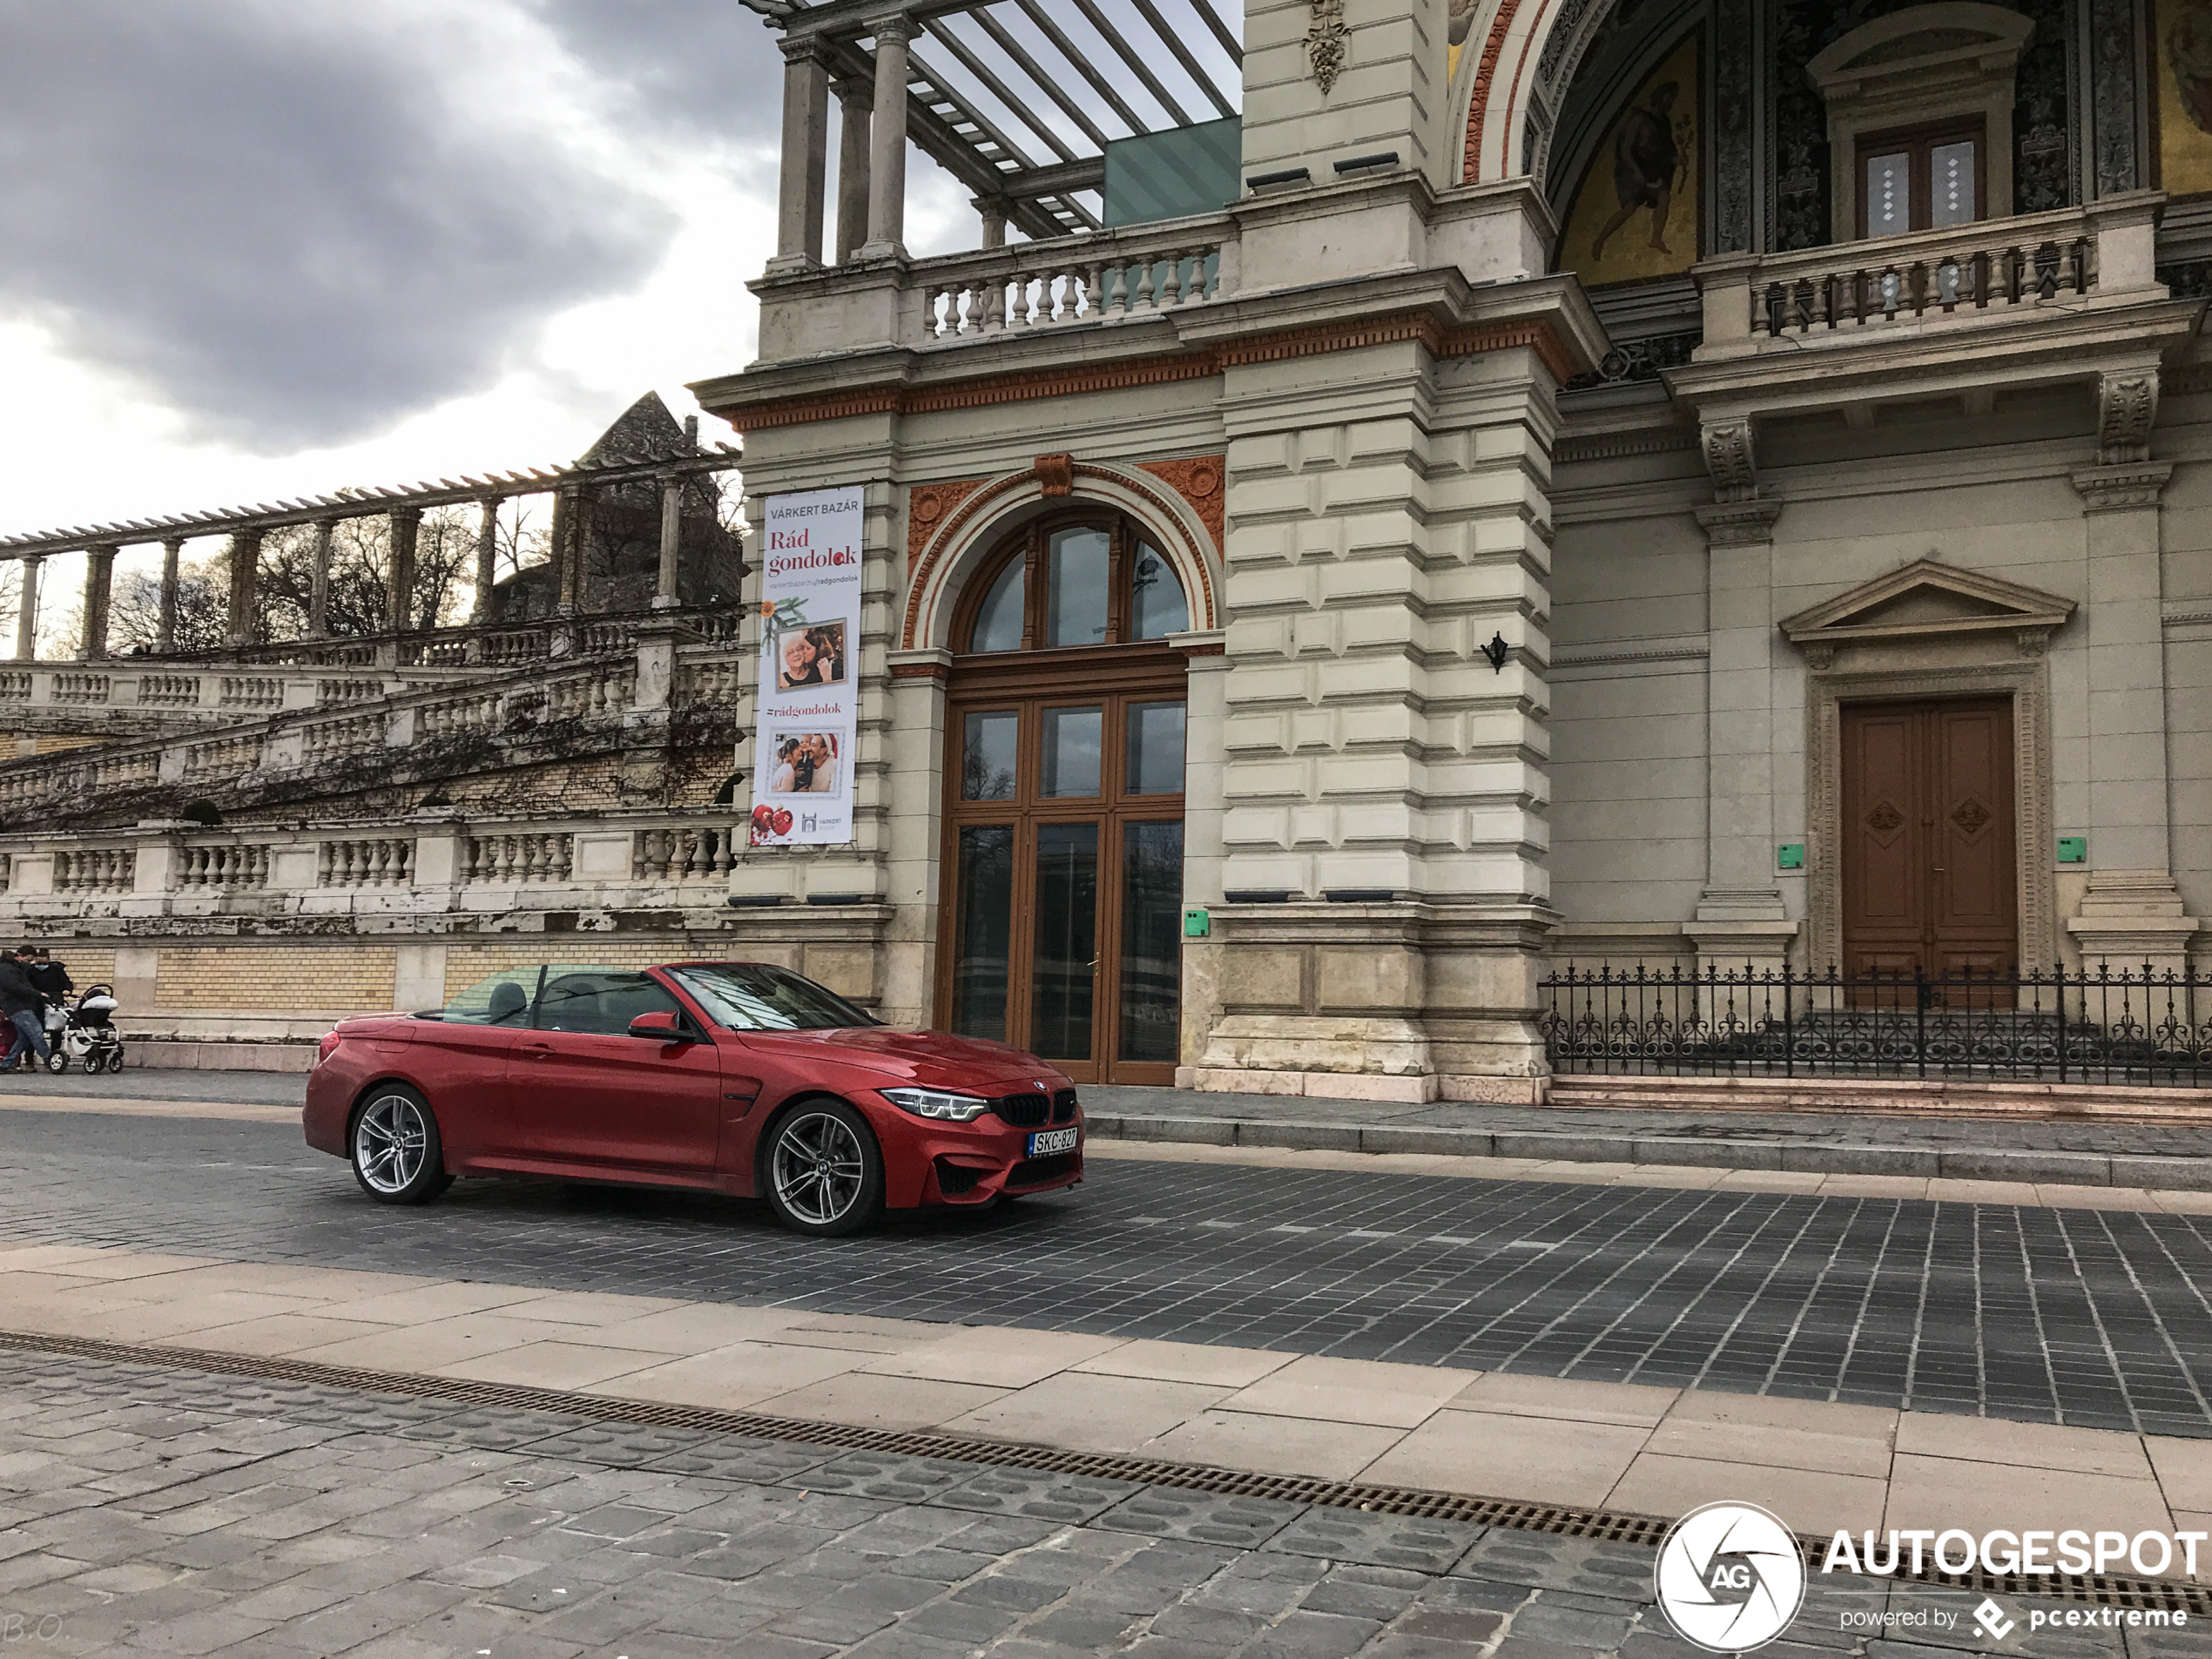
[{"x": 1600, "y": 1525}]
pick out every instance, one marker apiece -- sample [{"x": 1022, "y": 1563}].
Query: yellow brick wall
[
  {"x": 266, "y": 978},
  {"x": 466, "y": 964}
]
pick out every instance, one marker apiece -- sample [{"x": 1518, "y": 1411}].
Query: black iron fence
[{"x": 2104, "y": 1025}]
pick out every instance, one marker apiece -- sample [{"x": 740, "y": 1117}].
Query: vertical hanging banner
[{"x": 810, "y": 645}]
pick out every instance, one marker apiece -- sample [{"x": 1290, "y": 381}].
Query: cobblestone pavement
[
  {"x": 2099, "y": 1318},
  {"x": 152, "y": 1510}
]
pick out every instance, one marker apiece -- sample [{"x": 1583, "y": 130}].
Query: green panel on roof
[{"x": 1173, "y": 174}]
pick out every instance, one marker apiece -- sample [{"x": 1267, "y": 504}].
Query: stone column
[
  {"x": 406, "y": 522},
  {"x": 915, "y": 789},
  {"x": 798, "y": 202},
  {"x": 2132, "y": 913},
  {"x": 1742, "y": 921},
  {"x": 27, "y": 612},
  {"x": 572, "y": 536},
  {"x": 887, "y": 142},
  {"x": 486, "y": 559},
  {"x": 165, "y": 631},
  {"x": 854, "y": 99},
  {"x": 318, "y": 581},
  {"x": 100, "y": 592},
  {"x": 245, "y": 570},
  {"x": 671, "y": 538},
  {"x": 993, "y": 209}
]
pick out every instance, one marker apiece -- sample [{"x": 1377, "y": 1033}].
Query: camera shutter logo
[{"x": 1731, "y": 1577}]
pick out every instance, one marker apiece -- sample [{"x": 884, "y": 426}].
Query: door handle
[{"x": 538, "y": 1050}]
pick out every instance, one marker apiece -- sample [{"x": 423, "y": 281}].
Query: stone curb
[{"x": 1704, "y": 1152}]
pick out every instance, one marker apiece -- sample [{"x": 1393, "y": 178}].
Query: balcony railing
[
  {"x": 1051, "y": 284},
  {"x": 2106, "y": 1024},
  {"x": 429, "y": 863},
  {"x": 1963, "y": 273}
]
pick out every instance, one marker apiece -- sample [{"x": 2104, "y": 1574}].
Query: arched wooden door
[{"x": 1063, "y": 874}]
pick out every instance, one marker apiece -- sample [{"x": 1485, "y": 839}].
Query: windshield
[{"x": 747, "y": 996}]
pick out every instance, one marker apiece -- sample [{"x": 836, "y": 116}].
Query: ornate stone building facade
[
  {"x": 1679, "y": 483},
  {"x": 1693, "y": 483}
]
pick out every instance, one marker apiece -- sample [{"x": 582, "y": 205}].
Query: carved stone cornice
[
  {"x": 2127, "y": 407},
  {"x": 1739, "y": 523},
  {"x": 2128, "y": 487}
]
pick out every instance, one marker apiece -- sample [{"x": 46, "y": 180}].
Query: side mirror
[{"x": 659, "y": 1028}]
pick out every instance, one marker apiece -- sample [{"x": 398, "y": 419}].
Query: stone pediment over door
[{"x": 1928, "y": 600}]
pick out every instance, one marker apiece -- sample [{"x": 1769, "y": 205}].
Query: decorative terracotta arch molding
[
  {"x": 949, "y": 526},
  {"x": 1530, "y": 52}
]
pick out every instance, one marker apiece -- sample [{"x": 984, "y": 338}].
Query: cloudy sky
[{"x": 263, "y": 248}]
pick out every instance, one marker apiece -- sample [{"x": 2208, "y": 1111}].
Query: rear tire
[
  {"x": 823, "y": 1171},
  {"x": 395, "y": 1151},
  {"x": 92, "y": 1063},
  {"x": 57, "y": 1062}
]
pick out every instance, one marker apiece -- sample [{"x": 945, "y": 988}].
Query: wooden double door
[
  {"x": 1931, "y": 871},
  {"x": 1063, "y": 874}
]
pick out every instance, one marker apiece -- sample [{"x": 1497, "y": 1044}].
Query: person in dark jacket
[
  {"x": 25, "y": 1006},
  {"x": 50, "y": 978}
]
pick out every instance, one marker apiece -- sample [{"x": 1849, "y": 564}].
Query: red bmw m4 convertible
[{"x": 734, "y": 1077}]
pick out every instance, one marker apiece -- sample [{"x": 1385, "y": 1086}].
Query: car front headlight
[{"x": 940, "y": 1103}]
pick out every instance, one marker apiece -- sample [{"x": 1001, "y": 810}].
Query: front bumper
[{"x": 963, "y": 1164}]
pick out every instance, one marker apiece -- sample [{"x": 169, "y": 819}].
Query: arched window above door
[{"x": 1073, "y": 580}]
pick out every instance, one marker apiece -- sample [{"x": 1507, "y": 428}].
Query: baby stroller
[{"x": 86, "y": 1034}]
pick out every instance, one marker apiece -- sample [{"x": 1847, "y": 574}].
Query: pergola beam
[
  {"x": 360, "y": 503},
  {"x": 1075, "y": 55}
]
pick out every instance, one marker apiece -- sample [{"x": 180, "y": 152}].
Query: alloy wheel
[
  {"x": 818, "y": 1167},
  {"x": 390, "y": 1142}
]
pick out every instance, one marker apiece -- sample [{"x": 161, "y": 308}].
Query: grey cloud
[
  {"x": 273, "y": 217},
  {"x": 709, "y": 66}
]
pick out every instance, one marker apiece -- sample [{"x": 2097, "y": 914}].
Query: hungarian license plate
[{"x": 1046, "y": 1142}]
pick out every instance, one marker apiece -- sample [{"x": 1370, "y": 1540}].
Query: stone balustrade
[
  {"x": 1115, "y": 274},
  {"x": 519, "y": 856},
  {"x": 430, "y": 862},
  {"x": 371, "y": 861},
  {"x": 307, "y": 729},
  {"x": 688, "y": 853},
  {"x": 1977, "y": 273}
]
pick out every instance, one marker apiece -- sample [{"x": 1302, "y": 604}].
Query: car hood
[{"x": 932, "y": 1059}]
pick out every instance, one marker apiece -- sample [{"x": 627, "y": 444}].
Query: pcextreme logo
[{"x": 1731, "y": 1577}]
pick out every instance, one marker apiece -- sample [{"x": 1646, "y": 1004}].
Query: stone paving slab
[
  {"x": 1822, "y": 1462},
  {"x": 328, "y": 1540}
]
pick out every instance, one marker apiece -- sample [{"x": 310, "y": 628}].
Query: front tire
[
  {"x": 825, "y": 1171},
  {"x": 396, "y": 1154}
]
